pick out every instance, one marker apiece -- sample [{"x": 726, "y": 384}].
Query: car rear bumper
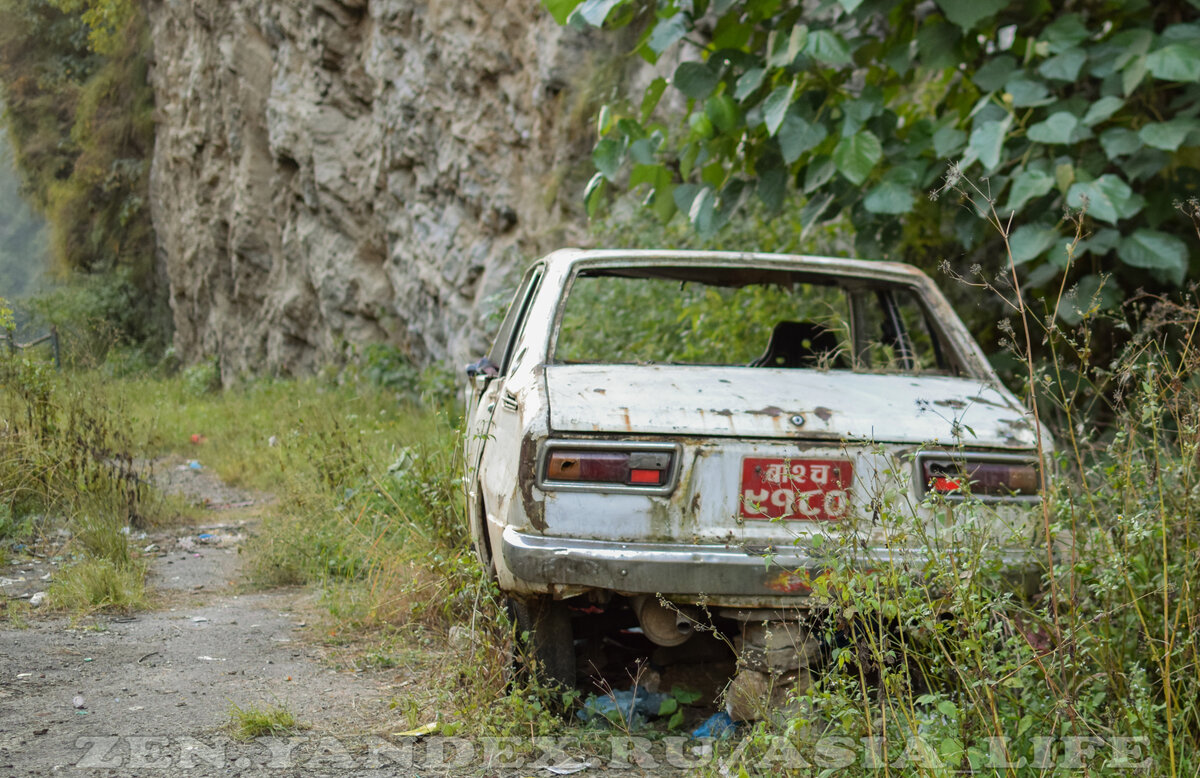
[{"x": 727, "y": 575}]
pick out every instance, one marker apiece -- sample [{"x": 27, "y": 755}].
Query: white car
[{"x": 658, "y": 429}]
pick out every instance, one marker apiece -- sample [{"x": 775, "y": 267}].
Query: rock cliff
[{"x": 334, "y": 172}]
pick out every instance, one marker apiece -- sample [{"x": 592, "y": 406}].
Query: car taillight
[
  {"x": 982, "y": 479},
  {"x": 629, "y": 468}
]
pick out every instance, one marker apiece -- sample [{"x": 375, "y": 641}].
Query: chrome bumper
[{"x": 685, "y": 570}]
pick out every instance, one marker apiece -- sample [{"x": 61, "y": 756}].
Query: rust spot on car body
[
  {"x": 823, "y": 413},
  {"x": 527, "y": 476},
  {"x": 600, "y": 391},
  {"x": 770, "y": 410}
]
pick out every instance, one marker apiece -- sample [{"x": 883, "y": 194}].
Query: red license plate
[{"x": 799, "y": 489}]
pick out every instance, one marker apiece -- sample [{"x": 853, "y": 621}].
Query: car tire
[{"x": 545, "y": 639}]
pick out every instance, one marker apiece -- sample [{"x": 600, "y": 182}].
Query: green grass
[
  {"x": 251, "y": 721},
  {"x": 97, "y": 584}
]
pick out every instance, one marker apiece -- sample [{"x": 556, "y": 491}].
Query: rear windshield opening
[{"x": 751, "y": 317}]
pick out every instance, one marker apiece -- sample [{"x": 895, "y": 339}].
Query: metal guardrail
[{"x": 51, "y": 337}]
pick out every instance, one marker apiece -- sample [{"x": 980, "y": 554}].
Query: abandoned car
[{"x": 658, "y": 430}]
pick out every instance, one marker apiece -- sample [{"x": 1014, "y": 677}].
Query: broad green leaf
[
  {"x": 889, "y": 198},
  {"x": 662, "y": 199},
  {"x": 828, "y": 47},
  {"x": 1027, "y": 93},
  {"x": 937, "y": 44},
  {"x": 607, "y": 157},
  {"x": 604, "y": 121},
  {"x": 796, "y": 42},
  {"x": 1167, "y": 136},
  {"x": 1156, "y": 250},
  {"x": 1056, "y": 129},
  {"x": 702, "y": 214},
  {"x": 731, "y": 33},
  {"x": 645, "y": 173},
  {"x": 967, "y": 13},
  {"x": 776, "y": 105},
  {"x": 653, "y": 94},
  {"x": 667, "y": 32},
  {"x": 1064, "y": 32},
  {"x": 1108, "y": 198},
  {"x": 1101, "y": 110},
  {"x": 818, "y": 173},
  {"x": 685, "y": 695},
  {"x": 994, "y": 73},
  {"x": 723, "y": 112},
  {"x": 593, "y": 194},
  {"x": 1176, "y": 62},
  {"x": 987, "y": 141},
  {"x": 1064, "y": 176},
  {"x": 1119, "y": 142},
  {"x": 1027, "y": 185},
  {"x": 668, "y": 706},
  {"x": 856, "y": 156},
  {"x": 797, "y": 136},
  {"x": 560, "y": 9},
  {"x": 817, "y": 208},
  {"x": 1030, "y": 241},
  {"x": 1064, "y": 66},
  {"x": 642, "y": 151},
  {"x": 594, "y": 12},
  {"x": 772, "y": 185},
  {"x": 1132, "y": 75},
  {"x": 1182, "y": 33},
  {"x": 695, "y": 79},
  {"x": 684, "y": 194},
  {"x": 948, "y": 141},
  {"x": 749, "y": 83}
]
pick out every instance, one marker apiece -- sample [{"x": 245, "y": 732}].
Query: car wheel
[{"x": 545, "y": 638}]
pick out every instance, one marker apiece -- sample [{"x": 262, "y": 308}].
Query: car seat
[{"x": 800, "y": 344}]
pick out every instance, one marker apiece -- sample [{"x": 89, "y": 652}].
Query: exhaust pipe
[{"x": 663, "y": 626}]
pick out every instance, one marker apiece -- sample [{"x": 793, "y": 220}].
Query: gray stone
[{"x": 337, "y": 172}]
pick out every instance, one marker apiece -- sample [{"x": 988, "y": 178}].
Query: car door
[{"x": 485, "y": 388}]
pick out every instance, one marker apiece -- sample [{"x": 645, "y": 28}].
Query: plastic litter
[
  {"x": 78, "y": 702},
  {"x": 718, "y": 725},
  {"x": 37, "y": 599},
  {"x": 199, "y": 619},
  {"x": 633, "y": 706},
  {"x": 194, "y": 465},
  {"x": 569, "y": 767}
]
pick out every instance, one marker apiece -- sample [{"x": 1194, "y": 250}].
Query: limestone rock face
[{"x": 336, "y": 172}]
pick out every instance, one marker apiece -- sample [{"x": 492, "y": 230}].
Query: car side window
[
  {"x": 513, "y": 324},
  {"x": 895, "y": 334}
]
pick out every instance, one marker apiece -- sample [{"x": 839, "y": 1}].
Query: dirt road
[{"x": 152, "y": 692}]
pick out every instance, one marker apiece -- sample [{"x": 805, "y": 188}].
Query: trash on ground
[
  {"x": 199, "y": 619},
  {"x": 633, "y": 707},
  {"x": 428, "y": 729},
  {"x": 78, "y": 702},
  {"x": 569, "y": 767},
  {"x": 211, "y": 658},
  {"x": 718, "y": 725},
  {"x": 37, "y": 599},
  {"x": 194, "y": 465}
]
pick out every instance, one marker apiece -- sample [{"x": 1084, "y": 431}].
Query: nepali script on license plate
[{"x": 800, "y": 489}]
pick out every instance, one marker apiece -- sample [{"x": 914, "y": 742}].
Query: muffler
[{"x": 663, "y": 626}]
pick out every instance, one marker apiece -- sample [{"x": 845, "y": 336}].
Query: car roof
[{"x": 563, "y": 260}]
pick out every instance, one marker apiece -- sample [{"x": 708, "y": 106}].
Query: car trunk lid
[{"x": 783, "y": 403}]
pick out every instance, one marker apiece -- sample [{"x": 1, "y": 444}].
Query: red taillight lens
[
  {"x": 990, "y": 479},
  {"x": 630, "y": 468}
]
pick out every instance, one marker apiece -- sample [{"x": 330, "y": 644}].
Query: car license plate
[{"x": 799, "y": 489}]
